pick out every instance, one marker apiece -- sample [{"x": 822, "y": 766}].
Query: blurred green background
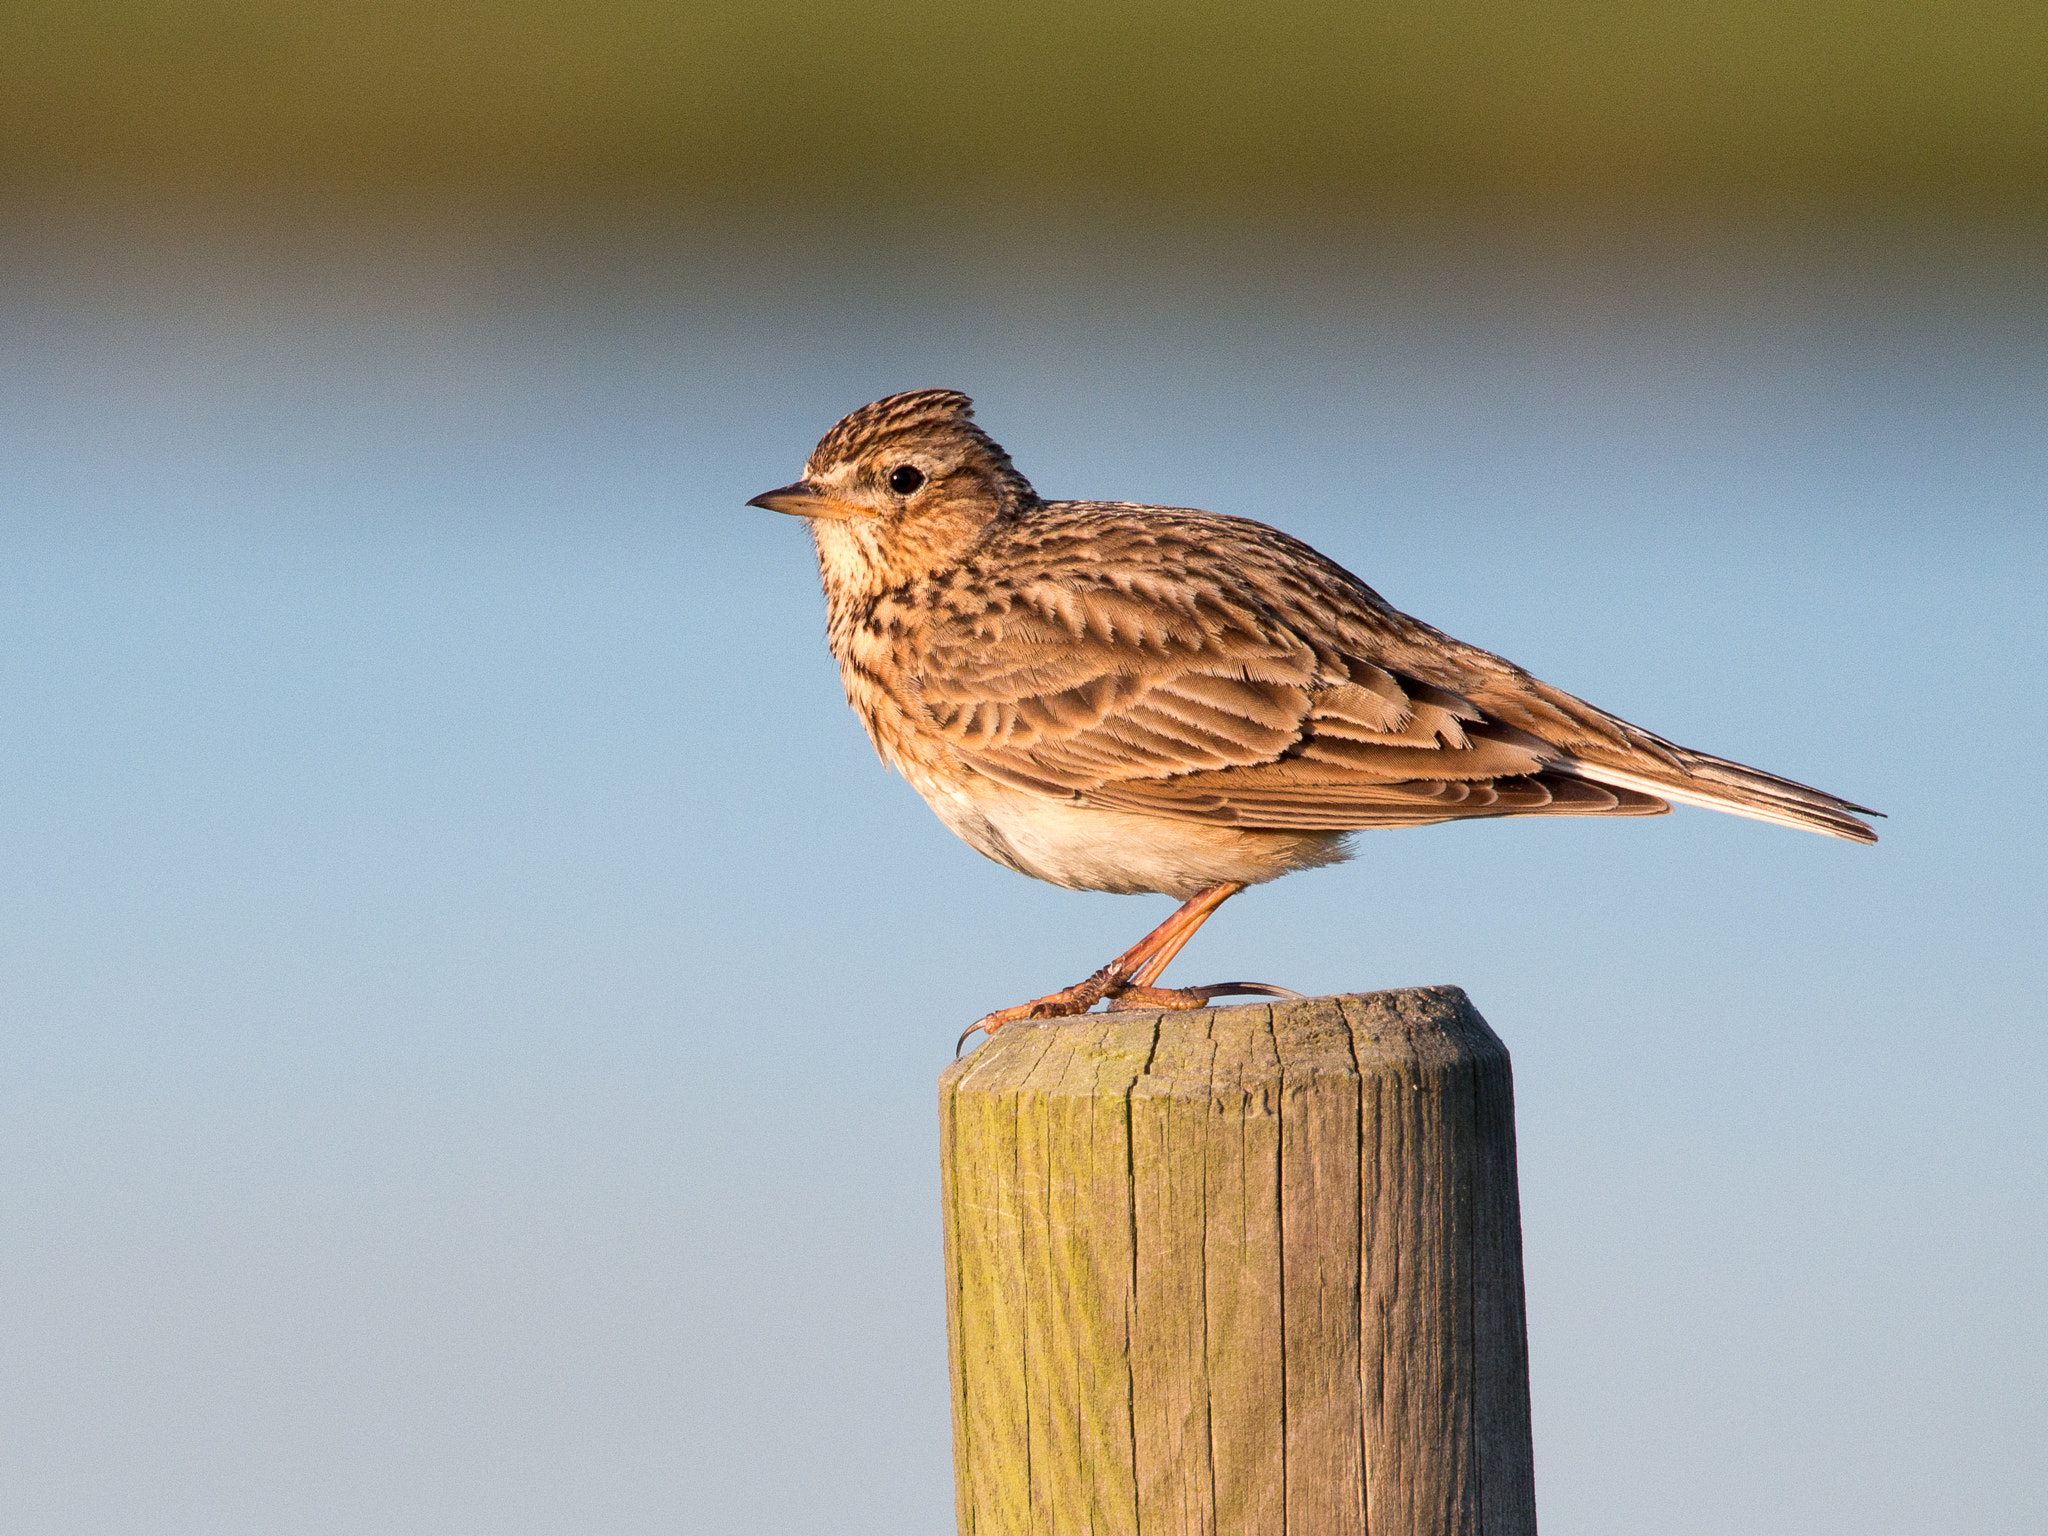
[
  {"x": 469, "y": 995},
  {"x": 1886, "y": 102}
]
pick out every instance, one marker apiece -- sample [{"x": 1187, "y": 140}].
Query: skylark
[{"x": 1126, "y": 698}]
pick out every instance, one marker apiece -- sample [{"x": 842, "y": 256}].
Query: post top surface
[{"x": 1207, "y": 1050}]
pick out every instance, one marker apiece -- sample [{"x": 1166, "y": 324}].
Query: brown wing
[
  {"x": 1172, "y": 685},
  {"x": 1216, "y": 670}
]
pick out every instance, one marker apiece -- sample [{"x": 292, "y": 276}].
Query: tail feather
[
  {"x": 1589, "y": 742},
  {"x": 1720, "y": 785}
]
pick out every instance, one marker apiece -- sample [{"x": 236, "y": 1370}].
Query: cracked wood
[{"x": 1238, "y": 1271}]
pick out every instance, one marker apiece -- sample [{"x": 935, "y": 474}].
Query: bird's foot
[
  {"x": 1132, "y": 999},
  {"x": 1078, "y": 998},
  {"x": 1122, "y": 996}
]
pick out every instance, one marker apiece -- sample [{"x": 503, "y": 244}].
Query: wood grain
[{"x": 1239, "y": 1272}]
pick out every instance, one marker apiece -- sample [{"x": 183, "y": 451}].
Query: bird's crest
[
  {"x": 938, "y": 420},
  {"x": 910, "y": 414}
]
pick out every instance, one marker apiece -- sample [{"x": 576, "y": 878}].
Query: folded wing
[{"x": 1204, "y": 678}]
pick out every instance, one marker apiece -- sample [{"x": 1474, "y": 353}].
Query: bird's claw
[
  {"x": 1123, "y": 996},
  {"x": 1135, "y": 999}
]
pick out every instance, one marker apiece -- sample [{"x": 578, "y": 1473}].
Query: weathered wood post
[{"x": 1239, "y": 1271}]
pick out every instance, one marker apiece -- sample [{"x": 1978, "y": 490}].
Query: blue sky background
[{"x": 470, "y": 999}]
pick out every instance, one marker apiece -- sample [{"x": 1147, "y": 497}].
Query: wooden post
[{"x": 1239, "y": 1272}]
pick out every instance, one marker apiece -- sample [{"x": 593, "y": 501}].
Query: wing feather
[{"x": 1222, "y": 672}]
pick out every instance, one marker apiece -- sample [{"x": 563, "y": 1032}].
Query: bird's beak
[{"x": 803, "y": 500}]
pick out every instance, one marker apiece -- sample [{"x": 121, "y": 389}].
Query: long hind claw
[
  {"x": 1134, "y": 998},
  {"x": 1123, "y": 998}
]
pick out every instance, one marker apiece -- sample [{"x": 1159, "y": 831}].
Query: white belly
[{"x": 1086, "y": 849}]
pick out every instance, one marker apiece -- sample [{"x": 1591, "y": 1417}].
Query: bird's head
[{"x": 911, "y": 459}]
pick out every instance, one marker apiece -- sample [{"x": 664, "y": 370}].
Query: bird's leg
[
  {"x": 1121, "y": 971},
  {"x": 1141, "y": 993},
  {"x": 1127, "y": 980},
  {"x": 1171, "y": 936}
]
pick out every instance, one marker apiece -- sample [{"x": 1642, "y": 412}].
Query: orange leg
[
  {"x": 1127, "y": 981},
  {"x": 1156, "y": 950}
]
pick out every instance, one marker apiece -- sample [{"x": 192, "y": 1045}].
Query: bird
[{"x": 1118, "y": 697}]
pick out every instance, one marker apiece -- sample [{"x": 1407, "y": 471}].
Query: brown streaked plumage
[{"x": 1128, "y": 698}]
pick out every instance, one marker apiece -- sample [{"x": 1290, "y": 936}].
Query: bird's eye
[{"x": 905, "y": 478}]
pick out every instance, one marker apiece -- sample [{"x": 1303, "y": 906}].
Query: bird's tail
[{"x": 1695, "y": 778}]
